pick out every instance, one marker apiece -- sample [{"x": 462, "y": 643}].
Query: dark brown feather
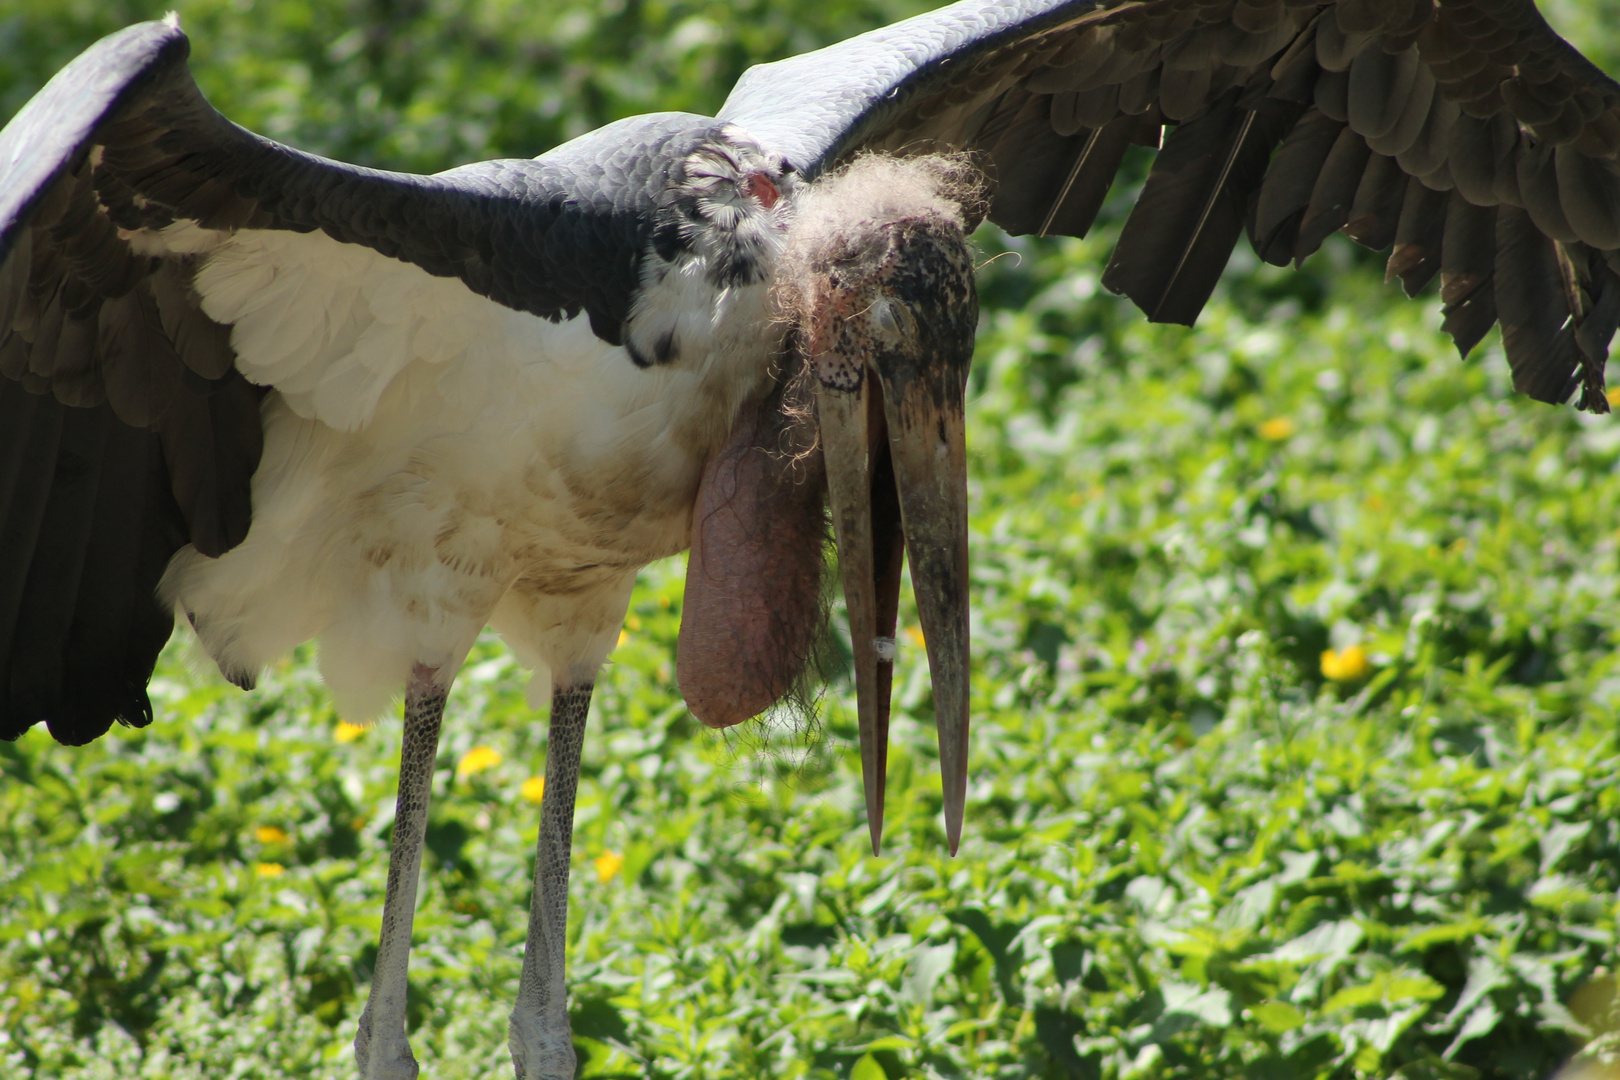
[
  {"x": 1418, "y": 237},
  {"x": 1299, "y": 57},
  {"x": 1183, "y": 93},
  {"x": 1473, "y": 165},
  {"x": 1468, "y": 272},
  {"x": 1258, "y": 16},
  {"x": 1538, "y": 187},
  {"x": 55, "y": 566},
  {"x": 76, "y": 372},
  {"x": 1377, "y": 206},
  {"x": 1075, "y": 206},
  {"x": 1332, "y": 94},
  {"x": 1594, "y": 331},
  {"x": 1180, "y": 234},
  {"x": 1468, "y": 257},
  {"x": 1536, "y": 335},
  {"x": 30, "y": 430},
  {"x": 1290, "y": 181},
  {"x": 1414, "y": 113},
  {"x": 1073, "y": 67},
  {"x": 202, "y": 344},
  {"x": 118, "y": 626},
  {"x": 14, "y": 271},
  {"x": 1589, "y": 194},
  {"x": 1137, "y": 94},
  {"x": 1335, "y": 50},
  {"x": 1032, "y": 165},
  {"x": 208, "y": 440},
  {"x": 1380, "y": 87},
  {"x": 1363, "y": 16},
  {"x": 1333, "y": 194},
  {"x": 1078, "y": 109},
  {"x": 1428, "y": 150},
  {"x": 1506, "y": 138},
  {"x": 139, "y": 364},
  {"x": 93, "y": 626}
]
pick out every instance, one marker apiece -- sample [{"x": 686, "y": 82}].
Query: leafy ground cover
[{"x": 1295, "y": 756}]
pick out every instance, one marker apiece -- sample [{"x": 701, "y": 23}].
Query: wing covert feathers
[{"x": 1462, "y": 136}]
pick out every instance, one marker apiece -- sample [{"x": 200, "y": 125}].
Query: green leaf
[
  {"x": 867, "y": 1068},
  {"x": 1277, "y": 1016},
  {"x": 1444, "y": 934}
]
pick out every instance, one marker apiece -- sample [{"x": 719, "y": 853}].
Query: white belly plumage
[{"x": 435, "y": 462}]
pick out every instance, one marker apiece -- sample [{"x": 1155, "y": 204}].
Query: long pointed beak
[
  {"x": 896, "y": 467},
  {"x": 866, "y": 522}
]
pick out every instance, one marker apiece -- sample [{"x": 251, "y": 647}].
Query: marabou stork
[{"x": 288, "y": 398}]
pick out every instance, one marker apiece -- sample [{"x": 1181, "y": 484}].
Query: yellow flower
[
  {"x": 632, "y": 623},
  {"x": 533, "y": 789},
  {"x": 477, "y": 760},
  {"x": 1076, "y": 500},
  {"x": 1277, "y": 428},
  {"x": 1613, "y": 394},
  {"x": 269, "y": 869},
  {"x": 624, "y": 636},
  {"x": 608, "y": 865},
  {"x": 346, "y": 732},
  {"x": 916, "y": 635},
  {"x": 269, "y": 834},
  {"x": 1346, "y": 665}
]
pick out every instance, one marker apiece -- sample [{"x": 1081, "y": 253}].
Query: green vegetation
[{"x": 1295, "y": 695}]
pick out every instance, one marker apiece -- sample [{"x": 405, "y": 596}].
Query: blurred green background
[{"x": 1295, "y": 692}]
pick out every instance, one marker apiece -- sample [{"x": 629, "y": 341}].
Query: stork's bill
[
  {"x": 877, "y": 281},
  {"x": 888, "y": 328}
]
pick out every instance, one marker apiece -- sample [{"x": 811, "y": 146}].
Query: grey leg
[
  {"x": 380, "y": 1046},
  {"x": 542, "y": 1044}
]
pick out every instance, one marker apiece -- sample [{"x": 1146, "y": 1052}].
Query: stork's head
[{"x": 876, "y": 281}]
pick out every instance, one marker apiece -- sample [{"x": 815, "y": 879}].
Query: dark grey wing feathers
[
  {"x": 1363, "y": 115},
  {"x": 88, "y": 516},
  {"x": 90, "y": 525},
  {"x": 551, "y": 236},
  {"x": 1193, "y": 208}
]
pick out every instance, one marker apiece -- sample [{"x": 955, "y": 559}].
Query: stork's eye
[
  {"x": 762, "y": 189},
  {"x": 883, "y": 311},
  {"x": 894, "y": 320}
]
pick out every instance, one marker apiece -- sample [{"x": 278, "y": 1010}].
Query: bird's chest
[{"x": 555, "y": 460}]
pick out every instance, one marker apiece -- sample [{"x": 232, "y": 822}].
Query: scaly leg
[
  {"x": 380, "y": 1047},
  {"x": 542, "y": 1044}
]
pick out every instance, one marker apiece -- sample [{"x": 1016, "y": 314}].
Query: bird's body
[
  {"x": 292, "y": 399},
  {"x": 434, "y": 461}
]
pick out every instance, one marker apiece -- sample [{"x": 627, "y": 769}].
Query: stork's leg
[
  {"x": 380, "y": 1046},
  {"x": 542, "y": 1044}
]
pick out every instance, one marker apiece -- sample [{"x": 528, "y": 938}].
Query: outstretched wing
[
  {"x": 160, "y": 266},
  {"x": 1467, "y": 136}
]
